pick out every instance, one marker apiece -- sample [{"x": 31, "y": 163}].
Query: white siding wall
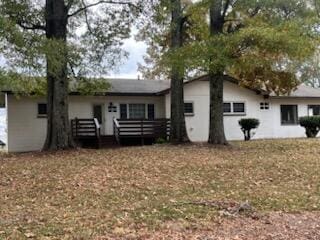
[
  {"x": 3, "y": 128},
  {"x": 270, "y": 126},
  {"x": 3, "y": 124},
  {"x": 26, "y": 132}
]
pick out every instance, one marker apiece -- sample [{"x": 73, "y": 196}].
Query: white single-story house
[{"x": 149, "y": 99}]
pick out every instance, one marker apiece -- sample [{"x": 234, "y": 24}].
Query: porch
[{"x": 87, "y": 132}]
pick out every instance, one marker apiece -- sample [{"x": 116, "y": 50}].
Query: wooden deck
[
  {"x": 87, "y": 132},
  {"x": 141, "y": 131}
]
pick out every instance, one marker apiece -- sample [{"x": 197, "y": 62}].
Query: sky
[{"x": 136, "y": 51}]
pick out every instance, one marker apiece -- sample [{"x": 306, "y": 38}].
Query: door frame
[{"x": 103, "y": 117}]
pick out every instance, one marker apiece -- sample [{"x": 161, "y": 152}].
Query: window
[
  {"x": 314, "y": 110},
  {"x": 137, "y": 111},
  {"x": 289, "y": 114},
  {"x": 188, "y": 109},
  {"x": 123, "y": 111},
  {"x": 42, "y": 110},
  {"x": 234, "y": 108},
  {"x": 227, "y": 107},
  {"x": 238, "y": 108},
  {"x": 264, "y": 106},
  {"x": 151, "y": 114}
]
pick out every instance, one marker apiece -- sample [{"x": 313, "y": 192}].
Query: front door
[{"x": 98, "y": 114}]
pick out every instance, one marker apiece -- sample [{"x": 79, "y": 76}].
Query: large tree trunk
[
  {"x": 178, "y": 126},
  {"x": 216, "y": 78},
  {"x": 216, "y": 129},
  {"x": 58, "y": 129}
]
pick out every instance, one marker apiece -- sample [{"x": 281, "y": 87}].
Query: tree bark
[
  {"x": 58, "y": 127},
  {"x": 216, "y": 78},
  {"x": 178, "y": 127},
  {"x": 216, "y": 128}
]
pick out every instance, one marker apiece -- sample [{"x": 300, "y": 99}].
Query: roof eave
[
  {"x": 298, "y": 97},
  {"x": 94, "y": 94}
]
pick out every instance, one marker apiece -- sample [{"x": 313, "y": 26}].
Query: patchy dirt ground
[
  {"x": 274, "y": 226},
  {"x": 154, "y": 192}
]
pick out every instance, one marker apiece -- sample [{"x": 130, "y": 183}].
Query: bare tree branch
[
  {"x": 86, "y": 17},
  {"x": 84, "y": 8},
  {"x": 27, "y": 26}
]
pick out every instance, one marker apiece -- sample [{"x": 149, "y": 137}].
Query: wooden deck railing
[
  {"x": 88, "y": 130},
  {"x": 85, "y": 128},
  {"x": 141, "y": 128}
]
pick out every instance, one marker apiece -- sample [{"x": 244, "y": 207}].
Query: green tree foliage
[
  {"x": 155, "y": 30},
  {"x": 22, "y": 85},
  {"x": 94, "y": 36},
  {"x": 264, "y": 43},
  {"x": 310, "y": 71}
]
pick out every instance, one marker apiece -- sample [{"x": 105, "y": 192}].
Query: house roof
[
  {"x": 302, "y": 91},
  {"x": 128, "y": 87},
  {"x": 135, "y": 87},
  {"x": 226, "y": 78}
]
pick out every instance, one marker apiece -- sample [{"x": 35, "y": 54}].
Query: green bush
[
  {"x": 247, "y": 124},
  {"x": 311, "y": 124}
]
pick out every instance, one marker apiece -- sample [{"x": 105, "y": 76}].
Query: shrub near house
[
  {"x": 311, "y": 124},
  {"x": 247, "y": 125}
]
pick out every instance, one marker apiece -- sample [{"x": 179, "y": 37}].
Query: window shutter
[
  {"x": 151, "y": 114},
  {"x": 123, "y": 111}
]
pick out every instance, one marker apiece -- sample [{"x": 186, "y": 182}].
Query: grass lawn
[{"x": 89, "y": 194}]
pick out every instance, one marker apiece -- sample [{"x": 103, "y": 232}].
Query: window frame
[
  {"x": 151, "y": 105},
  {"x": 136, "y": 104},
  {"x": 189, "y": 114},
  {"x": 265, "y": 106},
  {"x": 42, "y": 115},
  {"x": 226, "y": 113},
  {"x": 310, "y": 106},
  {"x": 233, "y": 113},
  {"x": 146, "y": 109},
  {"x": 297, "y": 115}
]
